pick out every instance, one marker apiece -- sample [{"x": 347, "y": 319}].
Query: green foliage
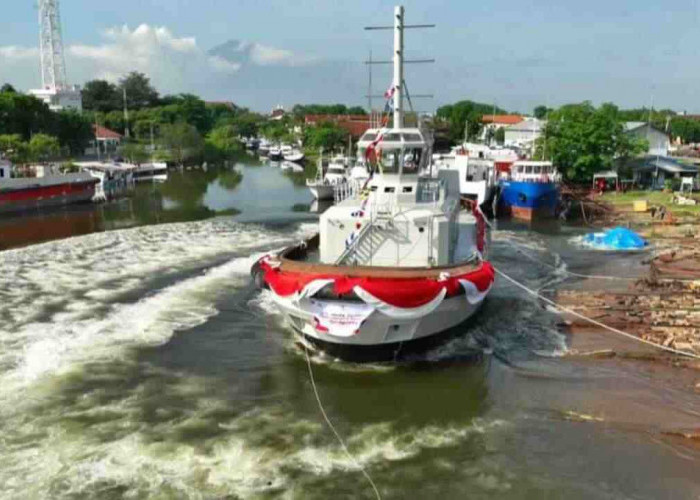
[
  {"x": 139, "y": 91},
  {"x": 246, "y": 124},
  {"x": 582, "y": 140},
  {"x": 43, "y": 148},
  {"x": 464, "y": 118},
  {"x": 24, "y": 115},
  {"x": 326, "y": 135},
  {"x": 101, "y": 95},
  {"x": 8, "y": 88},
  {"x": 222, "y": 144},
  {"x": 135, "y": 153},
  {"x": 73, "y": 130},
  {"x": 500, "y": 135},
  {"x": 326, "y": 109},
  {"x": 540, "y": 112},
  {"x": 183, "y": 140},
  {"x": 14, "y": 148}
]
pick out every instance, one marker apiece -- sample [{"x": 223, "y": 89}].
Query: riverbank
[{"x": 657, "y": 300}]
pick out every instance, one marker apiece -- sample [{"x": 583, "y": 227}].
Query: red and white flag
[{"x": 389, "y": 92}]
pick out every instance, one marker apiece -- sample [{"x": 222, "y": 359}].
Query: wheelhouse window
[
  {"x": 369, "y": 136},
  {"x": 411, "y": 160},
  {"x": 390, "y": 161}
]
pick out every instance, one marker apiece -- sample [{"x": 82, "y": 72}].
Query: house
[
  {"x": 524, "y": 133},
  {"x": 108, "y": 141},
  {"x": 356, "y": 125},
  {"x": 491, "y": 123},
  {"x": 659, "y": 142},
  {"x": 652, "y": 171},
  {"x": 277, "y": 113}
]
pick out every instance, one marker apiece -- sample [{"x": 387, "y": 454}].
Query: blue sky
[{"x": 516, "y": 53}]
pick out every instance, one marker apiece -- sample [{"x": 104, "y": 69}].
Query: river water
[{"x": 137, "y": 361}]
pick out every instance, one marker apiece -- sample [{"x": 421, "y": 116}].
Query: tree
[
  {"x": 182, "y": 140},
  {"x": 24, "y": 115},
  {"x": 540, "y": 112},
  {"x": 582, "y": 140},
  {"x": 101, "y": 95},
  {"x": 14, "y": 148},
  {"x": 500, "y": 135},
  {"x": 73, "y": 130},
  {"x": 43, "y": 147},
  {"x": 464, "y": 118},
  {"x": 246, "y": 124},
  {"x": 139, "y": 91},
  {"x": 225, "y": 140},
  {"x": 8, "y": 88},
  {"x": 135, "y": 153},
  {"x": 326, "y": 135}
]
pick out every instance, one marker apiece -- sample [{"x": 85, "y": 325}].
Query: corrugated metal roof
[{"x": 52, "y": 180}]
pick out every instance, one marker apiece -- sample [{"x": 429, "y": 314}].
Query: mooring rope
[
  {"x": 332, "y": 427},
  {"x": 591, "y": 320},
  {"x": 577, "y": 275},
  {"x": 571, "y": 273}
]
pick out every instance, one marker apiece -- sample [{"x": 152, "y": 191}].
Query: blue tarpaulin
[{"x": 619, "y": 238}]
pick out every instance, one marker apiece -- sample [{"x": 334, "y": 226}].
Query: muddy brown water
[{"x": 137, "y": 361}]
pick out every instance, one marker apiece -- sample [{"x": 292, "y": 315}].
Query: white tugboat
[{"x": 397, "y": 264}]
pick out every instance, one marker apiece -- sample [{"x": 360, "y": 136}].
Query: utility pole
[{"x": 126, "y": 115}]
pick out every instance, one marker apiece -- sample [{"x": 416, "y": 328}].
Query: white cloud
[
  {"x": 13, "y": 53},
  {"x": 174, "y": 64}
]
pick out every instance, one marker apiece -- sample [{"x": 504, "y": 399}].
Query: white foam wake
[{"x": 62, "y": 299}]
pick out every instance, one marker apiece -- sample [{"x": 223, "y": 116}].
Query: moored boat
[
  {"x": 275, "y": 153},
  {"x": 328, "y": 176},
  {"x": 28, "y": 193},
  {"x": 397, "y": 264},
  {"x": 294, "y": 155},
  {"x": 530, "y": 190}
]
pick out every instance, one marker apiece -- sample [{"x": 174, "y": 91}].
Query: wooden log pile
[{"x": 665, "y": 312}]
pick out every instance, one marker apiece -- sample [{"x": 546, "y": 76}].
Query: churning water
[{"x": 141, "y": 363}]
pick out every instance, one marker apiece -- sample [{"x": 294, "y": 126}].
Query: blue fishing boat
[{"x": 530, "y": 190}]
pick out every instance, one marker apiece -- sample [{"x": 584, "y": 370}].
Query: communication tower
[{"x": 55, "y": 90}]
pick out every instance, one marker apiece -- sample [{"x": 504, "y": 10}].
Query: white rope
[
  {"x": 570, "y": 273},
  {"x": 592, "y": 321},
  {"x": 330, "y": 425},
  {"x": 577, "y": 275}
]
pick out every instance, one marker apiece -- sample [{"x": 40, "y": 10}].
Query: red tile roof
[
  {"x": 502, "y": 119},
  {"x": 356, "y": 125},
  {"x": 105, "y": 133}
]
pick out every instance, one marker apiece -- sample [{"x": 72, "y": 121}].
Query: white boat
[
  {"x": 293, "y": 154},
  {"x": 152, "y": 172},
  {"x": 291, "y": 166},
  {"x": 477, "y": 177},
  {"x": 328, "y": 175},
  {"x": 397, "y": 264},
  {"x": 275, "y": 153}
]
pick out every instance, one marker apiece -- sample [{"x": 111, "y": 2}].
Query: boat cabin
[
  {"x": 5, "y": 169},
  {"x": 534, "y": 171},
  {"x": 397, "y": 218}
]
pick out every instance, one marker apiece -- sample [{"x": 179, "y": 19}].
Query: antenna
[
  {"x": 53, "y": 63},
  {"x": 369, "y": 86}
]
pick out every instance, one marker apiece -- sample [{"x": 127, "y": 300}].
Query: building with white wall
[
  {"x": 659, "y": 142},
  {"x": 525, "y": 133}
]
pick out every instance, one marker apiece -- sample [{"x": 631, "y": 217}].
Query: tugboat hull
[
  {"x": 383, "y": 338},
  {"x": 370, "y": 313}
]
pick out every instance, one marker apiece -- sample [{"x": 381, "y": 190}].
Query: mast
[{"x": 398, "y": 67}]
